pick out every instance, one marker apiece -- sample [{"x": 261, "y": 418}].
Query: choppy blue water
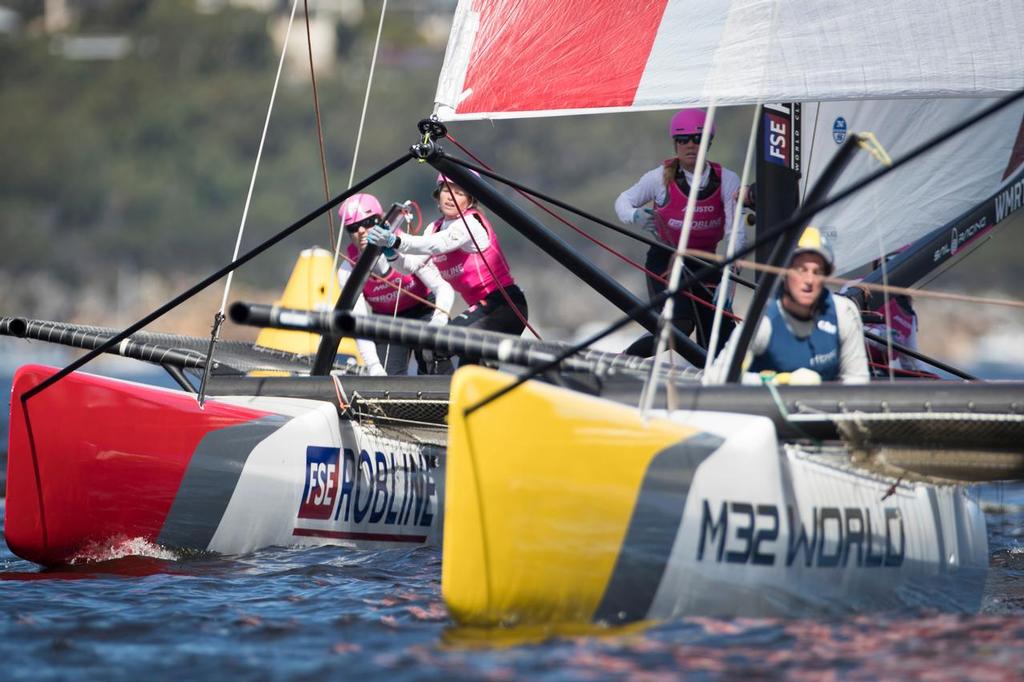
[{"x": 313, "y": 613}]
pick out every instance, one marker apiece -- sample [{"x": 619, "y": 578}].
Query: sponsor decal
[
  {"x": 777, "y": 141},
  {"x": 827, "y": 327},
  {"x": 747, "y": 533},
  {"x": 369, "y": 494},
  {"x": 781, "y": 135},
  {"x": 321, "y": 487},
  {"x": 958, "y": 238},
  {"x": 839, "y": 130},
  {"x": 452, "y": 272},
  {"x": 1009, "y": 200}
]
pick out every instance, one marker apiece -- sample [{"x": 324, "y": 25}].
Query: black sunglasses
[
  {"x": 684, "y": 139},
  {"x": 352, "y": 228}
]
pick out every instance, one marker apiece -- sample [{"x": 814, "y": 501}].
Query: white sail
[
  {"x": 934, "y": 189},
  {"x": 516, "y": 58}
]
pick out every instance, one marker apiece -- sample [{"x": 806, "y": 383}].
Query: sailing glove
[
  {"x": 378, "y": 236},
  {"x": 642, "y": 216}
]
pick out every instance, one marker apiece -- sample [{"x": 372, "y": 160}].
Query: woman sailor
[
  {"x": 668, "y": 186},
  {"x": 807, "y": 334},
  {"x": 465, "y": 249},
  {"x": 421, "y": 294}
]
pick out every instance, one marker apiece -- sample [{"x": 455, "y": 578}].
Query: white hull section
[
  {"x": 770, "y": 531},
  {"x": 321, "y": 480}
]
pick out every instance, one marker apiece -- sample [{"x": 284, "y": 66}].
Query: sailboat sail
[
  {"x": 935, "y": 189},
  {"x": 518, "y": 58}
]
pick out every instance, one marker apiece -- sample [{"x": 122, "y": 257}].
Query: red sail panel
[{"x": 539, "y": 55}]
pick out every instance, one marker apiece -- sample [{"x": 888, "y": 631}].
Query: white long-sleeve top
[
  {"x": 651, "y": 187},
  {"x": 853, "y": 360},
  {"x": 445, "y": 238},
  {"x": 367, "y": 349},
  {"x": 422, "y": 267}
]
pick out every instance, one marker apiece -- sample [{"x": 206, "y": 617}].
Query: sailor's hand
[
  {"x": 804, "y": 377},
  {"x": 641, "y": 216},
  {"x": 378, "y": 236},
  {"x": 438, "y": 319},
  {"x": 376, "y": 370}
]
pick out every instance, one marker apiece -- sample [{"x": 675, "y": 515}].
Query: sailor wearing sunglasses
[
  {"x": 657, "y": 203},
  {"x": 422, "y": 294}
]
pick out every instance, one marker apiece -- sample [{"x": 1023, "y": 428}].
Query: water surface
[{"x": 309, "y": 613}]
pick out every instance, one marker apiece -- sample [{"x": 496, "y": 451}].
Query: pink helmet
[
  {"x": 357, "y": 207},
  {"x": 688, "y": 122}
]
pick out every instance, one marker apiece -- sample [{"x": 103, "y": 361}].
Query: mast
[
  {"x": 777, "y": 170},
  {"x": 773, "y": 133},
  {"x": 778, "y": 198}
]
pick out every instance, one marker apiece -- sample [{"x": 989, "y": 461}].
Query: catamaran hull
[
  {"x": 96, "y": 463},
  {"x": 598, "y": 515}
]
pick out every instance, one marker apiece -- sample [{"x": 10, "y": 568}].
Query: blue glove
[{"x": 378, "y": 236}]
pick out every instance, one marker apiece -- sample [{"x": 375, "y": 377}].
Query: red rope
[
  {"x": 902, "y": 372},
  {"x": 593, "y": 239}
]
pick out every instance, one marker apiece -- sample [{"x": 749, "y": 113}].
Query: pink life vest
[
  {"x": 467, "y": 272},
  {"x": 708, "y": 225},
  {"x": 382, "y": 292},
  {"x": 903, "y": 324}
]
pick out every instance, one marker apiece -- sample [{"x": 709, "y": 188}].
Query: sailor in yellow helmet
[{"x": 807, "y": 335}]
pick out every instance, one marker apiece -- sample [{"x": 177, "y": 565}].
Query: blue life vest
[{"x": 819, "y": 351}]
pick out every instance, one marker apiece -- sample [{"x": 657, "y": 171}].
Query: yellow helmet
[{"x": 813, "y": 241}]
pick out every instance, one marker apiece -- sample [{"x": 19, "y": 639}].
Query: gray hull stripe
[
  {"x": 653, "y": 529},
  {"x": 210, "y": 480}
]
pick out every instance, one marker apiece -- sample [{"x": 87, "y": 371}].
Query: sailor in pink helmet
[
  {"x": 421, "y": 294},
  {"x": 657, "y": 204},
  {"x": 465, "y": 249}
]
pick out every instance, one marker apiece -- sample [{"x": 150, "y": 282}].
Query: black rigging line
[
  {"x": 199, "y": 286},
  {"x": 796, "y": 220},
  {"x": 636, "y": 236}
]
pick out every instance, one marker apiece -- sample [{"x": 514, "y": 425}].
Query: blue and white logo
[{"x": 839, "y": 130}]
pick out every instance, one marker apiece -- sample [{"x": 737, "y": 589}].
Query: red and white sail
[{"x": 518, "y": 58}]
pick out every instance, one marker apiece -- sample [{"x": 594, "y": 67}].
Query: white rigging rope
[
  {"x": 737, "y": 214},
  {"x": 259, "y": 155},
  {"x": 668, "y": 311},
  {"x": 359, "y": 137}
]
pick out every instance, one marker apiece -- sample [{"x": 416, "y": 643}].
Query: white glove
[
  {"x": 376, "y": 370},
  {"x": 438, "y": 318},
  {"x": 804, "y": 377}
]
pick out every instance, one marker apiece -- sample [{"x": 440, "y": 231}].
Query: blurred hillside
[{"x": 131, "y": 127}]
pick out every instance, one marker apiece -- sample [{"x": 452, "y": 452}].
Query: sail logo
[
  {"x": 321, "y": 488},
  {"x": 1009, "y": 200},
  {"x": 777, "y": 139},
  {"x": 958, "y": 239},
  {"x": 839, "y": 129}
]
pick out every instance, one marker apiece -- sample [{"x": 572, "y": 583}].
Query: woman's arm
[
  {"x": 853, "y": 359},
  {"x": 367, "y": 349},
  {"x": 444, "y": 295},
  {"x": 628, "y": 205},
  {"x": 455, "y": 236}
]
